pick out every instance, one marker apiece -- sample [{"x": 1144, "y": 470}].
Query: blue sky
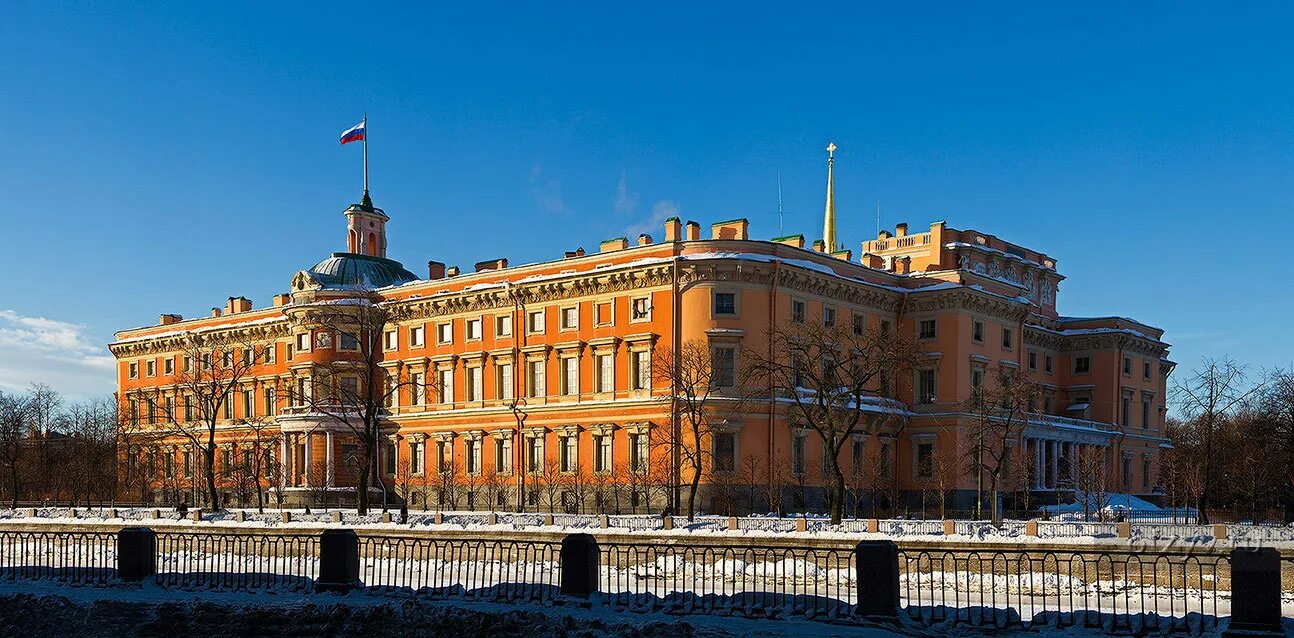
[{"x": 160, "y": 159}]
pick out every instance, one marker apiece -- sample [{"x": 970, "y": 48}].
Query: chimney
[
  {"x": 236, "y": 305},
  {"x": 843, "y": 254},
  {"x": 673, "y": 229},
  {"x": 571, "y": 254},
  {"x": 819, "y": 246},
  {"x": 644, "y": 239},
  {"x": 902, "y": 265},
  {"x": 167, "y": 320},
  {"x": 732, "y": 229},
  {"x": 884, "y": 234},
  {"x": 901, "y": 230},
  {"x": 790, "y": 240},
  {"x": 492, "y": 264},
  {"x": 452, "y": 271},
  {"x": 215, "y": 312},
  {"x": 873, "y": 261},
  {"x": 619, "y": 243},
  {"x": 692, "y": 232},
  {"x": 282, "y": 299},
  {"x": 435, "y": 270}
]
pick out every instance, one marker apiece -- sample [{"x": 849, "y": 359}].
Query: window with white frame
[
  {"x": 444, "y": 456},
  {"x": 249, "y": 404},
  {"x": 535, "y": 322},
  {"x": 475, "y": 381},
  {"x": 347, "y": 342},
  {"x": 503, "y": 326},
  {"x": 797, "y": 310},
  {"x": 503, "y": 380},
  {"x": 416, "y": 388},
  {"x": 927, "y": 329},
  {"x": 570, "y": 376},
  {"x": 799, "y": 453},
  {"x": 640, "y": 309},
  {"x": 303, "y": 342},
  {"x": 503, "y": 455},
  {"x": 568, "y": 453},
  {"x": 391, "y": 340},
  {"x": 725, "y": 303},
  {"x": 924, "y": 467},
  {"x": 416, "y": 336},
  {"x": 638, "y": 451},
  {"x": 150, "y": 368},
  {"x": 860, "y": 324},
  {"x": 926, "y": 386},
  {"x": 828, "y": 317},
  {"x": 641, "y": 372},
  {"x": 977, "y": 331},
  {"x": 134, "y": 370},
  {"x": 605, "y": 373},
  {"x": 570, "y": 318},
  {"x": 445, "y": 332},
  {"x": 534, "y": 454},
  {"x": 1008, "y": 338},
  {"x": 1082, "y": 365},
  {"x": 445, "y": 379},
  {"x": 535, "y": 372},
  {"x": 267, "y": 395},
  {"x": 724, "y": 362},
  {"x": 416, "y": 456},
  {"x": 602, "y": 452},
  {"x": 348, "y": 387},
  {"x": 471, "y": 456},
  {"x": 472, "y": 329},
  {"x": 168, "y": 366}
]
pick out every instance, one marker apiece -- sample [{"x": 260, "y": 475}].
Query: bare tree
[
  {"x": 945, "y": 468},
  {"x": 1093, "y": 480},
  {"x": 832, "y": 377},
  {"x": 15, "y": 417},
  {"x": 693, "y": 380},
  {"x": 1208, "y": 396},
  {"x": 998, "y": 415},
  {"x": 356, "y": 391}
]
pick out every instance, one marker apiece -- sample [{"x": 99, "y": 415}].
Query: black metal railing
[
  {"x": 67, "y": 556},
  {"x": 1116, "y": 590},
  {"x": 482, "y": 569},
  {"x": 750, "y": 580},
  {"x": 240, "y": 562}
]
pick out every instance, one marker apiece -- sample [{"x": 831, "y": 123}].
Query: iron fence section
[
  {"x": 479, "y": 569},
  {"x": 237, "y": 561},
  {"x": 88, "y": 558},
  {"x": 1112, "y": 590},
  {"x": 747, "y": 580}
]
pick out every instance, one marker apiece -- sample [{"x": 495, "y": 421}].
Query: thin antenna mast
[
  {"x": 878, "y": 219},
  {"x": 779, "y": 203}
]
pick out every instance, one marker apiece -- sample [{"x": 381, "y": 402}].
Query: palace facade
[{"x": 532, "y": 385}]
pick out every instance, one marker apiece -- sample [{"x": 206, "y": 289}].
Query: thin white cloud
[
  {"x": 625, "y": 202},
  {"x": 57, "y": 353},
  {"x": 655, "y": 223},
  {"x": 547, "y": 192}
]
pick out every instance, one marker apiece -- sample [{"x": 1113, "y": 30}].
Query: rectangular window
[
  {"x": 828, "y": 316},
  {"x": 567, "y": 454},
  {"x": 926, "y": 329},
  {"x": 570, "y": 376},
  {"x": 885, "y": 327},
  {"x": 134, "y": 370},
  {"x": 445, "y": 379},
  {"x": 977, "y": 331},
  {"x": 267, "y": 395},
  {"x": 925, "y": 461},
  {"x": 1125, "y": 411},
  {"x": 725, "y": 303},
  {"x": 797, "y": 311},
  {"x": 1008, "y": 338},
  {"x": 1033, "y": 360},
  {"x": 638, "y": 451},
  {"x": 926, "y": 386},
  {"x": 535, "y": 378},
  {"x": 415, "y": 388},
  {"x": 725, "y": 451},
  {"x": 391, "y": 340},
  {"x": 799, "y": 450},
  {"x": 168, "y": 366},
  {"x": 535, "y": 324},
  {"x": 1145, "y": 474},
  {"x": 1127, "y": 470},
  {"x": 606, "y": 374},
  {"x": 228, "y": 401},
  {"x": 640, "y": 309},
  {"x": 347, "y": 341},
  {"x": 570, "y": 318},
  {"x": 472, "y": 456},
  {"x": 602, "y": 453},
  {"x": 303, "y": 342},
  {"x": 1145, "y": 370},
  {"x": 150, "y": 367},
  {"x": 444, "y": 457},
  {"x": 602, "y": 315},
  {"x": 445, "y": 333},
  {"x": 534, "y": 455},
  {"x": 504, "y": 378},
  {"x": 1145, "y": 413},
  {"x": 227, "y": 359},
  {"x": 249, "y": 404},
  {"x": 1046, "y": 364},
  {"x": 503, "y": 455},
  {"x": 416, "y": 457},
  {"x": 503, "y": 326},
  {"x": 724, "y": 361},
  {"x": 860, "y": 324},
  {"x": 416, "y": 336},
  {"x": 474, "y": 384},
  {"x": 1082, "y": 365},
  {"x": 641, "y": 373},
  {"x": 188, "y": 408},
  {"x": 270, "y": 352},
  {"x": 977, "y": 377},
  {"x": 226, "y": 461},
  {"x": 858, "y": 450},
  {"x": 1127, "y": 365},
  {"x": 349, "y": 389},
  {"x": 472, "y": 329}
]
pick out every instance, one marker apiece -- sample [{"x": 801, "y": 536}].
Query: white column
[
  {"x": 283, "y": 458},
  {"x": 328, "y": 452},
  {"x": 1054, "y": 458},
  {"x": 1039, "y": 453},
  {"x": 306, "y": 461}
]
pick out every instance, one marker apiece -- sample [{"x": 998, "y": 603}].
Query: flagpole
[{"x": 365, "y": 122}]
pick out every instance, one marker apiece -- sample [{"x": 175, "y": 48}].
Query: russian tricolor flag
[{"x": 354, "y": 134}]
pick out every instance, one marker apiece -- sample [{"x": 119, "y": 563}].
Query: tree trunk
[
  {"x": 837, "y": 491},
  {"x": 691, "y": 493}
]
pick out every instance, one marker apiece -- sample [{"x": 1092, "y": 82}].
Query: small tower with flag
[{"x": 365, "y": 223}]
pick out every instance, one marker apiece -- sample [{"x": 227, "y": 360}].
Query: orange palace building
[{"x": 576, "y": 337}]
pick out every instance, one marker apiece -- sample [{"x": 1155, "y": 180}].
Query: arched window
[
  {"x": 372, "y": 244},
  {"x": 351, "y": 240}
]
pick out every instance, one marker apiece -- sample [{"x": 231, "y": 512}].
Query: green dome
[{"x": 354, "y": 271}]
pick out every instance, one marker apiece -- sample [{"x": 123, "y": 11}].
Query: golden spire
[{"x": 829, "y": 221}]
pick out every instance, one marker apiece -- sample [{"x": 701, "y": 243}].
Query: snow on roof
[
  {"x": 200, "y": 329},
  {"x": 999, "y": 253}
]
